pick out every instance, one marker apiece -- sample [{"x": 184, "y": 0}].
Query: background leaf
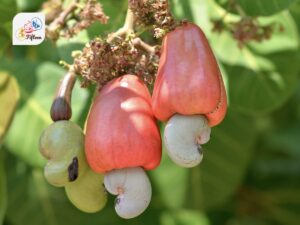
[
  {"x": 8, "y": 10},
  {"x": 265, "y": 7},
  {"x": 3, "y": 193},
  {"x": 226, "y": 159},
  {"x": 9, "y": 96}
]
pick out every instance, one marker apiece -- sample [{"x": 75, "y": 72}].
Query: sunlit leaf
[
  {"x": 9, "y": 96},
  {"x": 184, "y": 217},
  {"x": 28, "y": 5}
]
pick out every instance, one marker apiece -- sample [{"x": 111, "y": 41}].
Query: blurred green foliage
[{"x": 251, "y": 168}]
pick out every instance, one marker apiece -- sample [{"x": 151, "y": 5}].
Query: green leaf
[
  {"x": 260, "y": 90},
  {"x": 3, "y": 193},
  {"x": 261, "y": 77},
  {"x": 66, "y": 46},
  {"x": 37, "y": 86},
  {"x": 168, "y": 175},
  {"x": 5, "y": 37},
  {"x": 9, "y": 96},
  {"x": 265, "y": 7},
  {"x": 28, "y": 5},
  {"x": 226, "y": 158},
  {"x": 116, "y": 11},
  {"x": 193, "y": 10},
  {"x": 295, "y": 12},
  {"x": 184, "y": 217},
  {"x": 8, "y": 10}
]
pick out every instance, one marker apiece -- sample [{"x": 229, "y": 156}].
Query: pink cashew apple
[
  {"x": 188, "y": 93},
  {"x": 188, "y": 80},
  {"x": 121, "y": 130}
]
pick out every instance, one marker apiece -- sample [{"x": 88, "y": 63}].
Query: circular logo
[{"x": 36, "y": 23}]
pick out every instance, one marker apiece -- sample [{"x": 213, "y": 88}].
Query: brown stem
[
  {"x": 140, "y": 43},
  {"x": 62, "y": 17},
  {"x": 61, "y": 106},
  {"x": 128, "y": 27},
  {"x": 54, "y": 27}
]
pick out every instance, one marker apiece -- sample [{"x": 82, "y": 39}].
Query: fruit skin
[
  {"x": 87, "y": 193},
  {"x": 62, "y": 143},
  {"x": 121, "y": 130},
  {"x": 188, "y": 79}
]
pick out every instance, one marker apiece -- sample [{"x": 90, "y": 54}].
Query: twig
[
  {"x": 128, "y": 27},
  {"x": 54, "y": 27},
  {"x": 140, "y": 43}
]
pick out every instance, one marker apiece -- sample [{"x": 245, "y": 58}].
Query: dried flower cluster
[
  {"x": 101, "y": 61},
  {"x": 245, "y": 30},
  {"x": 52, "y": 8},
  {"x": 82, "y": 15},
  {"x": 91, "y": 13},
  {"x": 153, "y": 13}
]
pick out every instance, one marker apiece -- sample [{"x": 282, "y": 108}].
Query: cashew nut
[
  {"x": 133, "y": 188},
  {"x": 183, "y": 137}
]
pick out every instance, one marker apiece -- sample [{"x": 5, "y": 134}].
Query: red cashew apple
[
  {"x": 122, "y": 133},
  {"x": 121, "y": 130},
  {"x": 188, "y": 83}
]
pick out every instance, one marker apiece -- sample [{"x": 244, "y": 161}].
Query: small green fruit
[
  {"x": 62, "y": 143},
  {"x": 87, "y": 193}
]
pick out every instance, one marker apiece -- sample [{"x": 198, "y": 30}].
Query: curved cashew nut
[
  {"x": 183, "y": 136},
  {"x": 133, "y": 188}
]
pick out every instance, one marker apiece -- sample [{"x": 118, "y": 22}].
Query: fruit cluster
[{"x": 122, "y": 138}]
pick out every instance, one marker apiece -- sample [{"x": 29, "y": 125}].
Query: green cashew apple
[
  {"x": 87, "y": 193},
  {"x": 62, "y": 144}
]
